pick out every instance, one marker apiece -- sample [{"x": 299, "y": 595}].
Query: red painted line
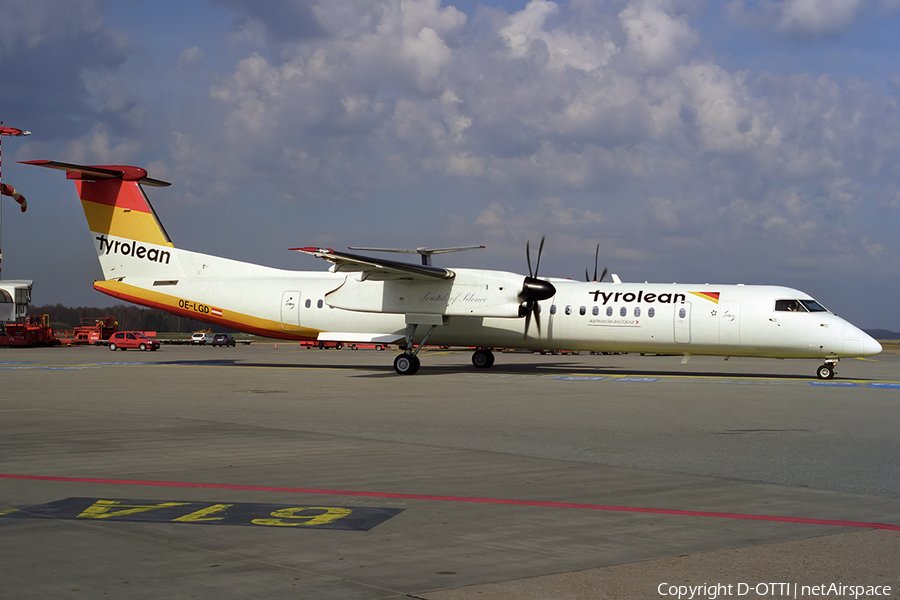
[{"x": 505, "y": 501}]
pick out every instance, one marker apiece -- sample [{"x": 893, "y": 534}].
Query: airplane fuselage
[{"x": 721, "y": 320}]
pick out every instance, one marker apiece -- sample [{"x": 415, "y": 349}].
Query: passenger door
[
  {"x": 290, "y": 311},
  {"x": 683, "y": 323}
]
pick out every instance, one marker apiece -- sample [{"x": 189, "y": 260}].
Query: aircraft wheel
[
  {"x": 825, "y": 372},
  {"x": 112, "y": 346},
  {"x": 483, "y": 359},
  {"x": 406, "y": 364}
]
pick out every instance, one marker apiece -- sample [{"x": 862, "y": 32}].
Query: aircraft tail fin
[
  {"x": 129, "y": 237},
  {"x": 113, "y": 201}
]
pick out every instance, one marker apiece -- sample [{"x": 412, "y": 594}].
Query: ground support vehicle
[
  {"x": 322, "y": 345},
  {"x": 31, "y": 330}
]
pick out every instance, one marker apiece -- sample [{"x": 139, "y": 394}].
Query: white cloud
[
  {"x": 806, "y": 18},
  {"x": 658, "y": 39},
  {"x": 817, "y": 17},
  {"x": 525, "y": 33},
  {"x": 189, "y": 60}
]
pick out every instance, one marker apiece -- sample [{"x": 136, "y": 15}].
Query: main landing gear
[
  {"x": 826, "y": 371},
  {"x": 483, "y": 358},
  {"x": 408, "y": 362}
]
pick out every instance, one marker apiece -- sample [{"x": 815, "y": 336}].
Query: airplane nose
[
  {"x": 859, "y": 343},
  {"x": 871, "y": 346}
]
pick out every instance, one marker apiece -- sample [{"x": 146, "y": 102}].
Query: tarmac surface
[{"x": 264, "y": 472}]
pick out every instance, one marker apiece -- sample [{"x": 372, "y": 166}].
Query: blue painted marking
[
  {"x": 33, "y": 367},
  {"x": 576, "y": 378},
  {"x": 887, "y": 386},
  {"x": 637, "y": 379},
  {"x": 834, "y": 383}
]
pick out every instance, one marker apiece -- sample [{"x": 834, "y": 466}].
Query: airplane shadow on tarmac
[{"x": 542, "y": 369}]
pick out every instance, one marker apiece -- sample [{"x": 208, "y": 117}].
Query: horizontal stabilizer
[{"x": 99, "y": 172}]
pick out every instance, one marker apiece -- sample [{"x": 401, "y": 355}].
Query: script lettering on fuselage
[
  {"x": 450, "y": 300},
  {"x": 638, "y": 296},
  {"x": 133, "y": 249}
]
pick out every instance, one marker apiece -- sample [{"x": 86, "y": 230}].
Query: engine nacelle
[{"x": 471, "y": 293}]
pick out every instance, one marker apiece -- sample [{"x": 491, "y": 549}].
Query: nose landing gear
[{"x": 826, "y": 371}]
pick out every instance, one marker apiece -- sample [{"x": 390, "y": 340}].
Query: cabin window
[
  {"x": 651, "y": 312},
  {"x": 568, "y": 310},
  {"x": 308, "y": 303},
  {"x": 582, "y": 310},
  {"x": 682, "y": 313},
  {"x": 609, "y": 311},
  {"x": 623, "y": 311},
  {"x": 595, "y": 311},
  {"x": 537, "y": 308},
  {"x": 552, "y": 309},
  {"x": 637, "y": 311},
  {"x": 319, "y": 304}
]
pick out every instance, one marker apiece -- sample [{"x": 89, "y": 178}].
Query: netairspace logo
[{"x": 772, "y": 590}]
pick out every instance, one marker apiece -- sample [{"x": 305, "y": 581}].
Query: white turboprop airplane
[{"x": 368, "y": 300}]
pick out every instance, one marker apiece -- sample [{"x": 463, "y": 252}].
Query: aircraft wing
[{"x": 347, "y": 262}]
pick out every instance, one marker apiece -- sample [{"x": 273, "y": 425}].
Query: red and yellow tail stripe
[{"x": 120, "y": 209}]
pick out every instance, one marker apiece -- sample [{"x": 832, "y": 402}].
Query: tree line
[{"x": 129, "y": 317}]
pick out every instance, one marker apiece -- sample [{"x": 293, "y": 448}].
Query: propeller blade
[
  {"x": 528, "y": 257},
  {"x": 605, "y": 271},
  {"x": 534, "y": 290},
  {"x": 596, "y": 260},
  {"x": 527, "y": 322}
]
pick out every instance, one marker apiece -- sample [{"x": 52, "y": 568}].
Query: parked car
[
  {"x": 123, "y": 340},
  {"x": 223, "y": 339},
  {"x": 201, "y": 337}
]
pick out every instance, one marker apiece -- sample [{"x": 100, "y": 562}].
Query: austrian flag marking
[{"x": 216, "y": 312}]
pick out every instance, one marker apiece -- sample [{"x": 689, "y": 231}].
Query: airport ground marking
[
  {"x": 357, "y": 518},
  {"x": 470, "y": 499}
]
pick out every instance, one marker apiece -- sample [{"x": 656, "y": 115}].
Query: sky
[{"x": 740, "y": 141}]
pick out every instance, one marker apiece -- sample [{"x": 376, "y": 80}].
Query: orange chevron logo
[{"x": 711, "y": 296}]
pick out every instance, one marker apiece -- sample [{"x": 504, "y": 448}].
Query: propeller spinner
[{"x": 534, "y": 290}]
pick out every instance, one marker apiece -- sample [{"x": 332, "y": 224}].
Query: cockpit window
[
  {"x": 799, "y": 306},
  {"x": 789, "y": 306},
  {"x": 813, "y": 306}
]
